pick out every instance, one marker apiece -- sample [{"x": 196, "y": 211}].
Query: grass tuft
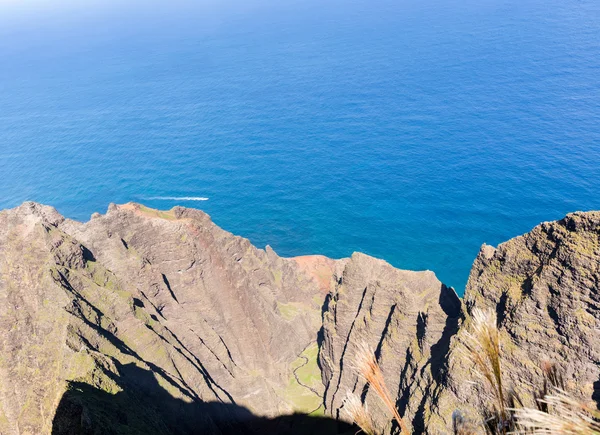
[
  {"x": 553, "y": 412},
  {"x": 359, "y": 414},
  {"x": 564, "y": 415},
  {"x": 482, "y": 345},
  {"x": 367, "y": 366}
]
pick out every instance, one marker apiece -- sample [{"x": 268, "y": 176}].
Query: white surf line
[{"x": 179, "y": 198}]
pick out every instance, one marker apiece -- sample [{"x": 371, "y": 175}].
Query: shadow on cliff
[
  {"x": 451, "y": 305},
  {"x": 596, "y": 394},
  {"x": 143, "y": 407}
]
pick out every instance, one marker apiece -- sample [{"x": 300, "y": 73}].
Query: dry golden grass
[
  {"x": 554, "y": 411},
  {"x": 483, "y": 346},
  {"x": 552, "y": 379},
  {"x": 369, "y": 369},
  {"x": 359, "y": 414},
  {"x": 564, "y": 415}
]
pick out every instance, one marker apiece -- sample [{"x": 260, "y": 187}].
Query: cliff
[
  {"x": 146, "y": 321},
  {"x": 545, "y": 289}
]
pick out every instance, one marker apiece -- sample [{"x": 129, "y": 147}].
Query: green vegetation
[
  {"x": 305, "y": 382},
  {"x": 302, "y": 399},
  {"x": 169, "y": 215},
  {"x": 278, "y": 276},
  {"x": 290, "y": 310},
  {"x": 308, "y": 371},
  {"x": 319, "y": 412}
]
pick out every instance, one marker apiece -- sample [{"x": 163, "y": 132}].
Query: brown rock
[
  {"x": 544, "y": 287},
  {"x": 210, "y": 316},
  {"x": 146, "y": 321},
  {"x": 407, "y": 318}
]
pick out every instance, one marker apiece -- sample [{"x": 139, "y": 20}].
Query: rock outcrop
[
  {"x": 209, "y": 316},
  {"x": 406, "y": 317},
  {"x": 545, "y": 288},
  {"x": 146, "y": 321}
]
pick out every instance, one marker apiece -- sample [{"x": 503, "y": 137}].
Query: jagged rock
[
  {"x": 211, "y": 317},
  {"x": 407, "y": 318},
  {"x": 146, "y": 321},
  {"x": 545, "y": 288}
]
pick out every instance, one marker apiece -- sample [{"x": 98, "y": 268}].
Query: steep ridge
[
  {"x": 545, "y": 288},
  {"x": 212, "y": 318},
  {"x": 146, "y": 321},
  {"x": 406, "y": 317}
]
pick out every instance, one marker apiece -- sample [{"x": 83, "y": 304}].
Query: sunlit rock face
[
  {"x": 210, "y": 317},
  {"x": 544, "y": 287},
  {"x": 146, "y": 321}
]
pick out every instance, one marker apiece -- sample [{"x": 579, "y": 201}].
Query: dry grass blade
[
  {"x": 369, "y": 369},
  {"x": 552, "y": 379},
  {"x": 483, "y": 347},
  {"x": 359, "y": 414},
  {"x": 565, "y": 416}
]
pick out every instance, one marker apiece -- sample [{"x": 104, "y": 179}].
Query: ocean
[{"x": 411, "y": 130}]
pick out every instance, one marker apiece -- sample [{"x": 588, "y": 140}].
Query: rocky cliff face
[
  {"x": 143, "y": 321},
  {"x": 545, "y": 288},
  {"x": 167, "y": 296},
  {"x": 406, "y": 317}
]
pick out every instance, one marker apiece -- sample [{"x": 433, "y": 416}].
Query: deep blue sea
[{"x": 412, "y": 130}]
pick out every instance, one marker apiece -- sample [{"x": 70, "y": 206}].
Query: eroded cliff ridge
[{"x": 146, "y": 321}]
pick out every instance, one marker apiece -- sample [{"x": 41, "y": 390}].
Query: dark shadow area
[
  {"x": 344, "y": 349},
  {"x": 87, "y": 254},
  {"x": 418, "y": 420},
  {"x": 168, "y": 285},
  {"x": 324, "y": 309},
  {"x": 405, "y": 383},
  {"x": 554, "y": 316},
  {"x": 527, "y": 286},
  {"x": 449, "y": 301},
  {"x": 144, "y": 407},
  {"x": 421, "y": 329},
  {"x": 596, "y": 394},
  {"x": 384, "y": 333},
  {"x": 451, "y": 305},
  {"x": 501, "y": 308},
  {"x": 321, "y": 335}
]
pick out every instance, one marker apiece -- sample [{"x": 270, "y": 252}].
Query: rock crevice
[{"x": 140, "y": 306}]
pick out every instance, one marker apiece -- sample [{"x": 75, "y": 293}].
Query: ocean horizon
[{"x": 410, "y": 131}]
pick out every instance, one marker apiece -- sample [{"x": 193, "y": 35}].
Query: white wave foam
[{"x": 179, "y": 198}]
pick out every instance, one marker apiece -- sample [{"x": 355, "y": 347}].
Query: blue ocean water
[{"x": 411, "y": 130}]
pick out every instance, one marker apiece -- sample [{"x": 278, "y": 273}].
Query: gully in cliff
[{"x": 160, "y": 322}]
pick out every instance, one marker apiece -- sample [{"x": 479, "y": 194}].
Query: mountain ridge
[{"x": 140, "y": 305}]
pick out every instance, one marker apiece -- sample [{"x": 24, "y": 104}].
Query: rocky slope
[
  {"x": 144, "y": 321},
  {"x": 206, "y": 314},
  {"x": 545, "y": 288},
  {"x": 406, "y": 317}
]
